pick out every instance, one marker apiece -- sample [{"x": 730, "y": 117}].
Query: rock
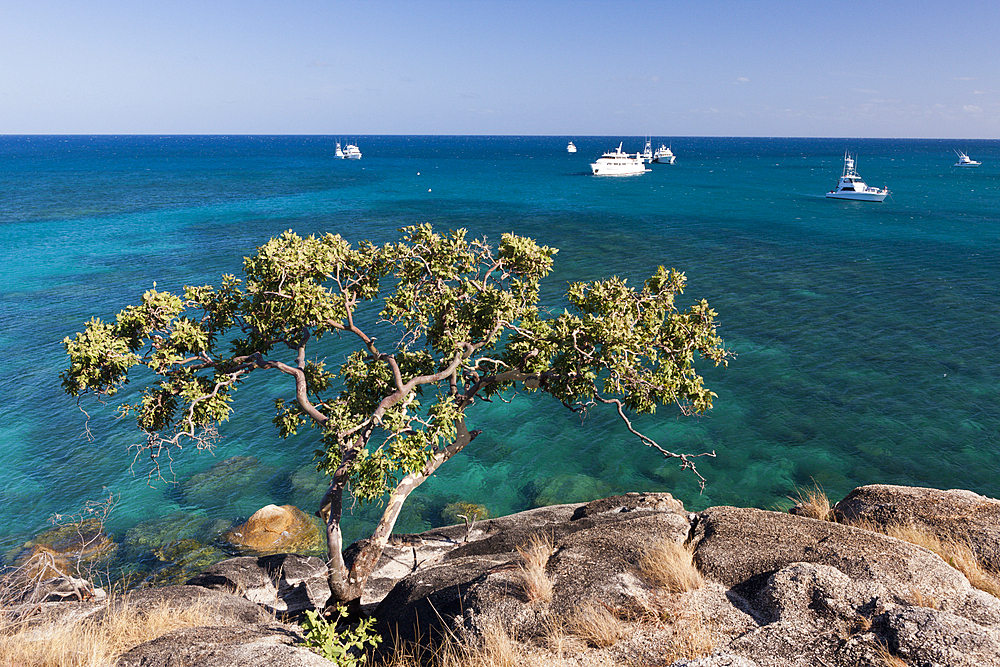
[
  {"x": 782, "y": 590},
  {"x": 232, "y": 479},
  {"x": 570, "y": 487},
  {"x": 742, "y": 547},
  {"x": 65, "y": 550},
  {"x": 285, "y": 584},
  {"x": 924, "y": 636},
  {"x": 475, "y": 585},
  {"x": 273, "y": 529},
  {"x": 717, "y": 660},
  {"x": 222, "y": 608},
  {"x": 267, "y": 645},
  {"x": 405, "y": 554},
  {"x": 64, "y": 589},
  {"x": 960, "y": 516}
]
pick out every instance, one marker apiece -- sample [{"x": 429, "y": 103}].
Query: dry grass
[
  {"x": 596, "y": 625},
  {"x": 918, "y": 598},
  {"x": 690, "y": 638},
  {"x": 670, "y": 566},
  {"x": 887, "y": 659},
  {"x": 495, "y": 649},
  {"x": 535, "y": 582},
  {"x": 959, "y": 554},
  {"x": 813, "y": 503},
  {"x": 84, "y": 643}
]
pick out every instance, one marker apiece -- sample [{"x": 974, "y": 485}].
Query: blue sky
[{"x": 613, "y": 67}]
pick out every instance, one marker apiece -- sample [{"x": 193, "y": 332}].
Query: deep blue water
[{"x": 866, "y": 334}]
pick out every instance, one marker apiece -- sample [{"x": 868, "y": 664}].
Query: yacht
[
  {"x": 351, "y": 152},
  {"x": 664, "y": 155},
  {"x": 570, "y": 148},
  {"x": 617, "y": 163},
  {"x": 965, "y": 161},
  {"x": 851, "y": 186},
  {"x": 339, "y": 154},
  {"x": 647, "y": 153}
]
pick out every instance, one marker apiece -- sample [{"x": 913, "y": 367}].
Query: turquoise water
[{"x": 866, "y": 335}]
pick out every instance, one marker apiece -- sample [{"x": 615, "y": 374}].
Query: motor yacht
[
  {"x": 664, "y": 155},
  {"x": 351, "y": 152},
  {"x": 338, "y": 153},
  {"x": 965, "y": 161},
  {"x": 851, "y": 186},
  {"x": 570, "y": 148},
  {"x": 647, "y": 152},
  {"x": 617, "y": 163}
]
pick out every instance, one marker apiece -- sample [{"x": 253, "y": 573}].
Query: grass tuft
[
  {"x": 596, "y": 625},
  {"x": 534, "y": 580},
  {"x": 813, "y": 503},
  {"x": 670, "y": 565}
]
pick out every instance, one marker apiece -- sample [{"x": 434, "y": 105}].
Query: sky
[{"x": 767, "y": 68}]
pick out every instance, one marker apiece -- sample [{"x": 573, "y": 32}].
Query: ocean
[{"x": 866, "y": 336}]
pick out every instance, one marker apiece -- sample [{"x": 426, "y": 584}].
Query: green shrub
[{"x": 343, "y": 646}]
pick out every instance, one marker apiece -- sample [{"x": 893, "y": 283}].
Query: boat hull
[
  {"x": 859, "y": 196},
  {"x": 616, "y": 170}
]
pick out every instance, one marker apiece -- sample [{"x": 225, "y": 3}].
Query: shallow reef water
[{"x": 864, "y": 334}]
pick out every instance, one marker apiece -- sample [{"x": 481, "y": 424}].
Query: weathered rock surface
[
  {"x": 595, "y": 548},
  {"x": 277, "y": 529},
  {"x": 956, "y": 515},
  {"x": 780, "y": 590},
  {"x": 282, "y": 584}
]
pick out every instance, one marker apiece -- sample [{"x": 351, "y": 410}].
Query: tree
[{"x": 466, "y": 325}]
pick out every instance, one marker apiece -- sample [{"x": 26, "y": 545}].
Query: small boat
[
  {"x": 351, "y": 152},
  {"x": 851, "y": 186},
  {"x": 339, "y": 154},
  {"x": 617, "y": 163},
  {"x": 570, "y": 148},
  {"x": 647, "y": 152},
  {"x": 664, "y": 155},
  {"x": 965, "y": 161}
]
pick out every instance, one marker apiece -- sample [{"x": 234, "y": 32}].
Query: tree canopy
[{"x": 466, "y": 325}]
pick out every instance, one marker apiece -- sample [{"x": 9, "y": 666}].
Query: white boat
[
  {"x": 965, "y": 161},
  {"x": 339, "y": 154},
  {"x": 617, "y": 163},
  {"x": 570, "y": 148},
  {"x": 647, "y": 152},
  {"x": 851, "y": 186},
  {"x": 351, "y": 152},
  {"x": 664, "y": 155}
]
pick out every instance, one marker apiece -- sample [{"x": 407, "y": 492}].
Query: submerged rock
[
  {"x": 273, "y": 529},
  {"x": 73, "y": 549}
]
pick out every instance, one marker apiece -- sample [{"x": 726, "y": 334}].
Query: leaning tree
[{"x": 466, "y": 326}]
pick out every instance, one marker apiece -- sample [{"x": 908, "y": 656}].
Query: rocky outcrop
[
  {"x": 578, "y": 584},
  {"x": 957, "y": 516},
  {"x": 780, "y": 589}
]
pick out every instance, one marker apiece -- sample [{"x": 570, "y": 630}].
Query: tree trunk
[{"x": 347, "y": 580}]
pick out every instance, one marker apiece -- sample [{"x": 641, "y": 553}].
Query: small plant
[
  {"x": 670, "y": 566},
  {"x": 813, "y": 503},
  {"x": 345, "y": 647},
  {"x": 535, "y": 582},
  {"x": 596, "y": 625}
]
